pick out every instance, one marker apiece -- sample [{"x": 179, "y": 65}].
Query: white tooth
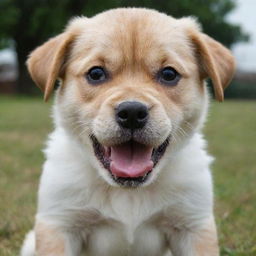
[
  {"x": 145, "y": 175},
  {"x": 107, "y": 151}
]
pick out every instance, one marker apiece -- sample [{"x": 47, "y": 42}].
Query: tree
[{"x": 28, "y": 23}]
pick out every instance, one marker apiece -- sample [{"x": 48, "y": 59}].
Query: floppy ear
[
  {"x": 216, "y": 62},
  {"x": 45, "y": 62}
]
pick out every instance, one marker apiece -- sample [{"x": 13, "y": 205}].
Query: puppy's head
[{"x": 132, "y": 87}]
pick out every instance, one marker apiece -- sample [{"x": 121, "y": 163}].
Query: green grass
[
  {"x": 230, "y": 130},
  {"x": 24, "y": 124}
]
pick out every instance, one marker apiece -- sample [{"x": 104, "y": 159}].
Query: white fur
[
  {"x": 28, "y": 248},
  {"x": 70, "y": 187}
]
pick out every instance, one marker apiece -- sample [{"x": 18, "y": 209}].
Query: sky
[{"x": 245, "y": 53}]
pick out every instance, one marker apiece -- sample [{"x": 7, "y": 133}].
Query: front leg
[
  {"x": 195, "y": 241},
  {"x": 52, "y": 241},
  {"x": 76, "y": 232}
]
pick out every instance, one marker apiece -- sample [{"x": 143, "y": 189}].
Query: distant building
[{"x": 8, "y": 71}]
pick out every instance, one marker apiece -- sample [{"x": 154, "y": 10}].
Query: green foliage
[
  {"x": 40, "y": 19},
  {"x": 241, "y": 90},
  {"x": 36, "y": 20}
]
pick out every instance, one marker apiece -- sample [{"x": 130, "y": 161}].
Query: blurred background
[
  {"x": 25, "y": 24},
  {"x": 25, "y": 121}
]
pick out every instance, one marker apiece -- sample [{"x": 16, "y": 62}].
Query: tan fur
[
  {"x": 206, "y": 243},
  {"x": 217, "y": 62},
  {"x": 189, "y": 241},
  {"x": 49, "y": 241},
  {"x": 46, "y": 61}
]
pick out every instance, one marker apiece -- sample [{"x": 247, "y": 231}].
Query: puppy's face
[{"x": 132, "y": 87}]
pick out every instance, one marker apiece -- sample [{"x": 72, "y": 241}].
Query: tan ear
[
  {"x": 216, "y": 62},
  {"x": 45, "y": 62}
]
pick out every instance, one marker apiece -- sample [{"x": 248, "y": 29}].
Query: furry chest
[{"x": 115, "y": 239}]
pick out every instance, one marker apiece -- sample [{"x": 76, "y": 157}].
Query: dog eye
[
  {"x": 96, "y": 75},
  {"x": 169, "y": 76}
]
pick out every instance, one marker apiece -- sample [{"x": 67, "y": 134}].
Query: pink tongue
[{"x": 131, "y": 159}]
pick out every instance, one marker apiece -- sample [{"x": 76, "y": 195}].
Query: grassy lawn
[{"x": 231, "y": 131}]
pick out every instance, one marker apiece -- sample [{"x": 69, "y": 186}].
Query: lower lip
[{"x": 131, "y": 182}]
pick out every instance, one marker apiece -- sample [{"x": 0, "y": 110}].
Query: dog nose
[{"x": 131, "y": 114}]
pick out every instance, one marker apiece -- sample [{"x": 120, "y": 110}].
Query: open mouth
[{"x": 129, "y": 163}]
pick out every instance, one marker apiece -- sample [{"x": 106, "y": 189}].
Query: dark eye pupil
[
  {"x": 168, "y": 74},
  {"x": 96, "y": 74}
]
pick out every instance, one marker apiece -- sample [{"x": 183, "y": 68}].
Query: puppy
[{"x": 126, "y": 169}]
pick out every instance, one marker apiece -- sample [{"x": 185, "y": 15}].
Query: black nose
[{"x": 131, "y": 114}]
